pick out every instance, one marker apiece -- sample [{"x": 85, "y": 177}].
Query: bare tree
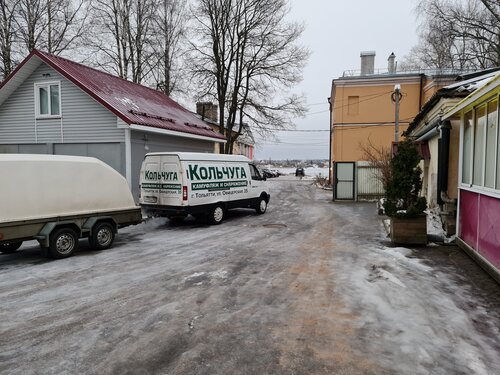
[
  {"x": 461, "y": 34},
  {"x": 122, "y": 36},
  {"x": 379, "y": 157},
  {"x": 66, "y": 22},
  {"x": 8, "y": 10},
  {"x": 170, "y": 23},
  {"x": 31, "y": 22},
  {"x": 247, "y": 59}
]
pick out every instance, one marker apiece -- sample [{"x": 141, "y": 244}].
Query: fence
[{"x": 369, "y": 184}]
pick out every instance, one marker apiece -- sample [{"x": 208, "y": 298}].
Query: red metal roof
[{"x": 133, "y": 103}]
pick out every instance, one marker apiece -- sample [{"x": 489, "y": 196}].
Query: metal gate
[{"x": 345, "y": 176}]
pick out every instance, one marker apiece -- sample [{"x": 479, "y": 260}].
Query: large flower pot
[{"x": 409, "y": 231}]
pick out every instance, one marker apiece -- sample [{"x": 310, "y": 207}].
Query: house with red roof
[{"x": 51, "y": 105}]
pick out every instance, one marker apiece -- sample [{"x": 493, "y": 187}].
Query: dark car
[
  {"x": 299, "y": 172},
  {"x": 267, "y": 173}
]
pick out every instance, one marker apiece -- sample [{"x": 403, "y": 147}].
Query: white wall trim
[
  {"x": 174, "y": 133},
  {"x": 128, "y": 157}
]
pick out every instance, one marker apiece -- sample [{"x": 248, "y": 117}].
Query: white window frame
[
  {"x": 47, "y": 85},
  {"x": 492, "y": 192}
]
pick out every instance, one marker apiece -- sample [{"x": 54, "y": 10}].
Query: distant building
[{"x": 245, "y": 143}]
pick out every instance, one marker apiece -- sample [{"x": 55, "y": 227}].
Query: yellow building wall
[
  {"x": 360, "y": 103},
  {"x": 375, "y": 104},
  {"x": 371, "y": 119},
  {"x": 348, "y": 141}
]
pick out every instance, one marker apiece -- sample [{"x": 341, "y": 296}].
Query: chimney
[
  {"x": 391, "y": 64},
  {"x": 207, "y": 111},
  {"x": 367, "y": 62}
]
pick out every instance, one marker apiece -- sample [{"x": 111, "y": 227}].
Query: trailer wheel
[
  {"x": 261, "y": 206},
  {"x": 63, "y": 243},
  {"x": 216, "y": 214},
  {"x": 10, "y": 247},
  {"x": 103, "y": 235}
]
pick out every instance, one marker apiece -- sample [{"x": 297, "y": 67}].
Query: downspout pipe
[
  {"x": 330, "y": 144},
  {"x": 443, "y": 162}
]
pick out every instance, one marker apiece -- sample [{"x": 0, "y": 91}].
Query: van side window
[{"x": 254, "y": 172}]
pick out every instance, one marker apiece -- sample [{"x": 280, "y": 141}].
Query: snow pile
[
  {"x": 434, "y": 224},
  {"x": 417, "y": 310}
]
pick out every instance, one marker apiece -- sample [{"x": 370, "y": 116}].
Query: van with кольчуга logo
[{"x": 177, "y": 184}]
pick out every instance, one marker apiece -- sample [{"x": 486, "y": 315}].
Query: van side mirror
[{"x": 264, "y": 178}]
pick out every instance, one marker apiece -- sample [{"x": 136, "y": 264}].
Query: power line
[
  {"x": 369, "y": 97},
  {"x": 305, "y": 131}
]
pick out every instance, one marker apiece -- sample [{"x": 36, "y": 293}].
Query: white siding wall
[{"x": 83, "y": 119}]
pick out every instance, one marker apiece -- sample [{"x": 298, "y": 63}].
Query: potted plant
[{"x": 403, "y": 204}]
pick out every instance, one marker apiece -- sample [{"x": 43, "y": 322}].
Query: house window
[
  {"x": 48, "y": 99},
  {"x": 466, "y": 165},
  {"x": 352, "y": 105},
  {"x": 479, "y": 145},
  {"x": 491, "y": 143}
]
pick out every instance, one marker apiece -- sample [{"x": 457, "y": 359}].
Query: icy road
[{"x": 311, "y": 287}]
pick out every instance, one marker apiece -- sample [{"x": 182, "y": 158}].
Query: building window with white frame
[
  {"x": 481, "y": 146},
  {"x": 48, "y": 99}
]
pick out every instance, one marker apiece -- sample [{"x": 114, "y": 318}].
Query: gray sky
[{"x": 336, "y": 32}]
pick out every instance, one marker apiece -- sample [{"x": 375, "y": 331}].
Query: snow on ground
[
  {"x": 418, "y": 310},
  {"x": 310, "y": 172},
  {"x": 310, "y": 287}
]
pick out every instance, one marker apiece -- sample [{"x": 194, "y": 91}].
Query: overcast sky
[{"x": 335, "y": 33}]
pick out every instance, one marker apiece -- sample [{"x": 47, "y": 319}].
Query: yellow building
[{"x": 363, "y": 108}]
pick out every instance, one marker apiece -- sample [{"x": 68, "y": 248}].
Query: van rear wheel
[
  {"x": 10, "y": 247},
  {"x": 261, "y": 206},
  {"x": 63, "y": 243},
  {"x": 216, "y": 214}
]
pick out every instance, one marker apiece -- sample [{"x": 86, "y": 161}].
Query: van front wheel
[
  {"x": 261, "y": 206},
  {"x": 216, "y": 214}
]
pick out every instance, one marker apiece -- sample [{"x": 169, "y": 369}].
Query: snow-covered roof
[
  {"x": 487, "y": 86},
  {"x": 455, "y": 90}
]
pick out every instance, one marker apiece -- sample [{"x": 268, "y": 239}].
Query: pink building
[{"x": 478, "y": 216}]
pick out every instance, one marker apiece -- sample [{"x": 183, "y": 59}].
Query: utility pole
[{"x": 396, "y": 97}]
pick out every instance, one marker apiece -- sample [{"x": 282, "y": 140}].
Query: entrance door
[{"x": 344, "y": 181}]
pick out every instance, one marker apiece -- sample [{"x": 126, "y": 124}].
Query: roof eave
[
  {"x": 471, "y": 99},
  {"x": 174, "y": 133}
]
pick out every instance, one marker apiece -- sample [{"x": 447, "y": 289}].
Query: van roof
[{"x": 202, "y": 156}]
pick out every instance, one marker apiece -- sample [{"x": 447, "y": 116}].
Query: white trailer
[
  {"x": 175, "y": 184},
  {"x": 58, "y": 199}
]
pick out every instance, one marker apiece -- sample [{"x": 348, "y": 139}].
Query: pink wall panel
[
  {"x": 469, "y": 212},
  {"x": 489, "y": 229}
]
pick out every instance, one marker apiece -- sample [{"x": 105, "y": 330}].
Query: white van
[{"x": 175, "y": 184}]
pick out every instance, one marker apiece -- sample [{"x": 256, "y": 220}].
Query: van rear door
[
  {"x": 150, "y": 186},
  {"x": 171, "y": 181}
]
